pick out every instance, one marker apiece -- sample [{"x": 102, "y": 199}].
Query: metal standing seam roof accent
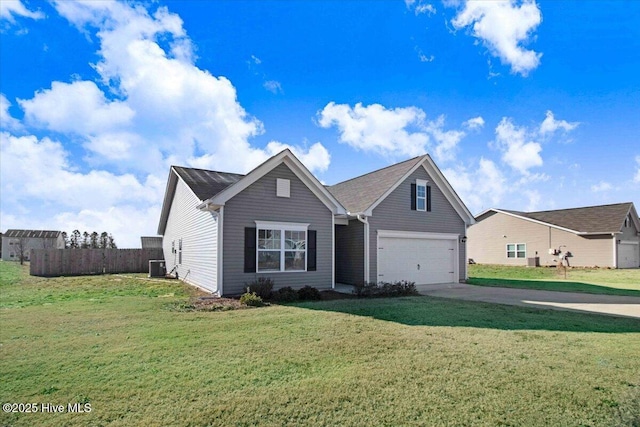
[
  {"x": 359, "y": 193},
  {"x": 32, "y": 234},
  {"x": 603, "y": 219},
  {"x": 205, "y": 183}
]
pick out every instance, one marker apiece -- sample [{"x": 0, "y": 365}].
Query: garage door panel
[
  {"x": 628, "y": 255},
  {"x": 420, "y": 260}
]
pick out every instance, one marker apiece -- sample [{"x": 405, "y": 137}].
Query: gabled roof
[
  {"x": 206, "y": 183},
  {"x": 603, "y": 219},
  {"x": 362, "y": 194},
  {"x": 359, "y": 193},
  {"x": 214, "y": 189},
  {"x": 42, "y": 234}
]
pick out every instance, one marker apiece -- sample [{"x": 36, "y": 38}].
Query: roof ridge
[
  {"x": 377, "y": 170},
  {"x": 580, "y": 207},
  {"x": 207, "y": 170}
]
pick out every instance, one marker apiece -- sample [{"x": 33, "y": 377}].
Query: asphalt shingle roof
[
  {"x": 32, "y": 234},
  {"x": 358, "y": 194},
  {"x": 205, "y": 183},
  {"x": 591, "y": 219}
]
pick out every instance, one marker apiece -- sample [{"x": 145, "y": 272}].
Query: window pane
[
  {"x": 511, "y": 255},
  {"x": 294, "y": 260},
  {"x": 421, "y": 205},
  {"x": 421, "y": 191},
  {"x": 521, "y": 247},
  {"x": 511, "y": 247},
  {"x": 268, "y": 260},
  {"x": 295, "y": 240},
  {"x": 521, "y": 254},
  {"x": 269, "y": 239}
]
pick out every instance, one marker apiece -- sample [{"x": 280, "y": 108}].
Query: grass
[
  {"x": 116, "y": 343},
  {"x": 588, "y": 280}
]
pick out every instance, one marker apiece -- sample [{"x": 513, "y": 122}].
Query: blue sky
[{"x": 525, "y": 105}]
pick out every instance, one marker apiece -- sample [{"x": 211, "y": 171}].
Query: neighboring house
[
  {"x": 223, "y": 230},
  {"x": 15, "y": 242},
  {"x": 603, "y": 236},
  {"x": 151, "y": 242}
]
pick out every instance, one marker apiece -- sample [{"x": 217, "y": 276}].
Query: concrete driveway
[{"x": 592, "y": 303}]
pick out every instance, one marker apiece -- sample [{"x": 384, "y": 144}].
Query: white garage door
[
  {"x": 418, "y": 258},
  {"x": 628, "y": 256}
]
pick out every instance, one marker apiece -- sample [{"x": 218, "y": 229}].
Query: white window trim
[
  {"x": 282, "y": 227},
  {"x": 515, "y": 250},
  {"x": 421, "y": 183}
]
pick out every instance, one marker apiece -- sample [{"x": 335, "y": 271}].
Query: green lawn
[
  {"x": 588, "y": 280},
  {"x": 116, "y": 343}
]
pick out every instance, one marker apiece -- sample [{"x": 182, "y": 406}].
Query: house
[
  {"x": 17, "y": 242},
  {"x": 223, "y": 230},
  {"x": 604, "y": 236},
  {"x": 151, "y": 242},
  {"x": 405, "y": 222}
]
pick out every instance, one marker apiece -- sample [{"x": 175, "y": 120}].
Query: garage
[
  {"x": 423, "y": 258},
  {"x": 628, "y": 255}
]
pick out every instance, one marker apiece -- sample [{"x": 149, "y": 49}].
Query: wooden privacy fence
[{"x": 79, "y": 262}]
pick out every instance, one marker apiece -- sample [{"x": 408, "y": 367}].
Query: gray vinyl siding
[
  {"x": 490, "y": 235},
  {"x": 259, "y": 202},
  {"x": 199, "y": 233},
  {"x": 350, "y": 253},
  {"x": 9, "y": 246},
  {"x": 394, "y": 213}
]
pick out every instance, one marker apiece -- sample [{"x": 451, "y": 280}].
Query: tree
[
  {"x": 104, "y": 240},
  {"x": 74, "y": 241},
  {"x": 93, "y": 240},
  {"x": 112, "y": 242},
  {"x": 65, "y": 237},
  {"x": 20, "y": 248},
  {"x": 85, "y": 240}
]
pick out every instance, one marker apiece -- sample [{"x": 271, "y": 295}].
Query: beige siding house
[{"x": 603, "y": 236}]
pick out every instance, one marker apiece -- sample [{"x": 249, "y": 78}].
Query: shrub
[
  {"x": 251, "y": 299},
  {"x": 262, "y": 287},
  {"x": 309, "y": 293},
  {"x": 286, "y": 294},
  {"x": 385, "y": 289}
]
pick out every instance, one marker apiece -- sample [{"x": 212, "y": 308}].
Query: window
[
  {"x": 180, "y": 251},
  {"x": 516, "y": 250},
  {"x": 281, "y": 247},
  {"x": 421, "y": 195},
  {"x": 626, "y": 221}
]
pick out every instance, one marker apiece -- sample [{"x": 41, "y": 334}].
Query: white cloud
[
  {"x": 503, "y": 27},
  {"x": 534, "y": 200},
  {"x": 9, "y": 9},
  {"x": 480, "y": 187},
  {"x": 79, "y": 107},
  {"x": 518, "y": 152},
  {"x": 550, "y": 125},
  {"x": 419, "y": 7},
  {"x": 474, "y": 123},
  {"x": 602, "y": 186},
  {"x": 636, "y": 178},
  {"x": 447, "y": 141},
  {"x": 390, "y": 132},
  {"x": 273, "y": 86},
  {"x": 164, "y": 107},
  {"x": 6, "y": 120}
]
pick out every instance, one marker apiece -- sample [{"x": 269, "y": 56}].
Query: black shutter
[
  {"x": 311, "y": 250},
  {"x": 428, "y": 198},
  {"x": 413, "y": 197},
  {"x": 249, "y": 250}
]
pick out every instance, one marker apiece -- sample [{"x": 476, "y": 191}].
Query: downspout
[{"x": 363, "y": 219}]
